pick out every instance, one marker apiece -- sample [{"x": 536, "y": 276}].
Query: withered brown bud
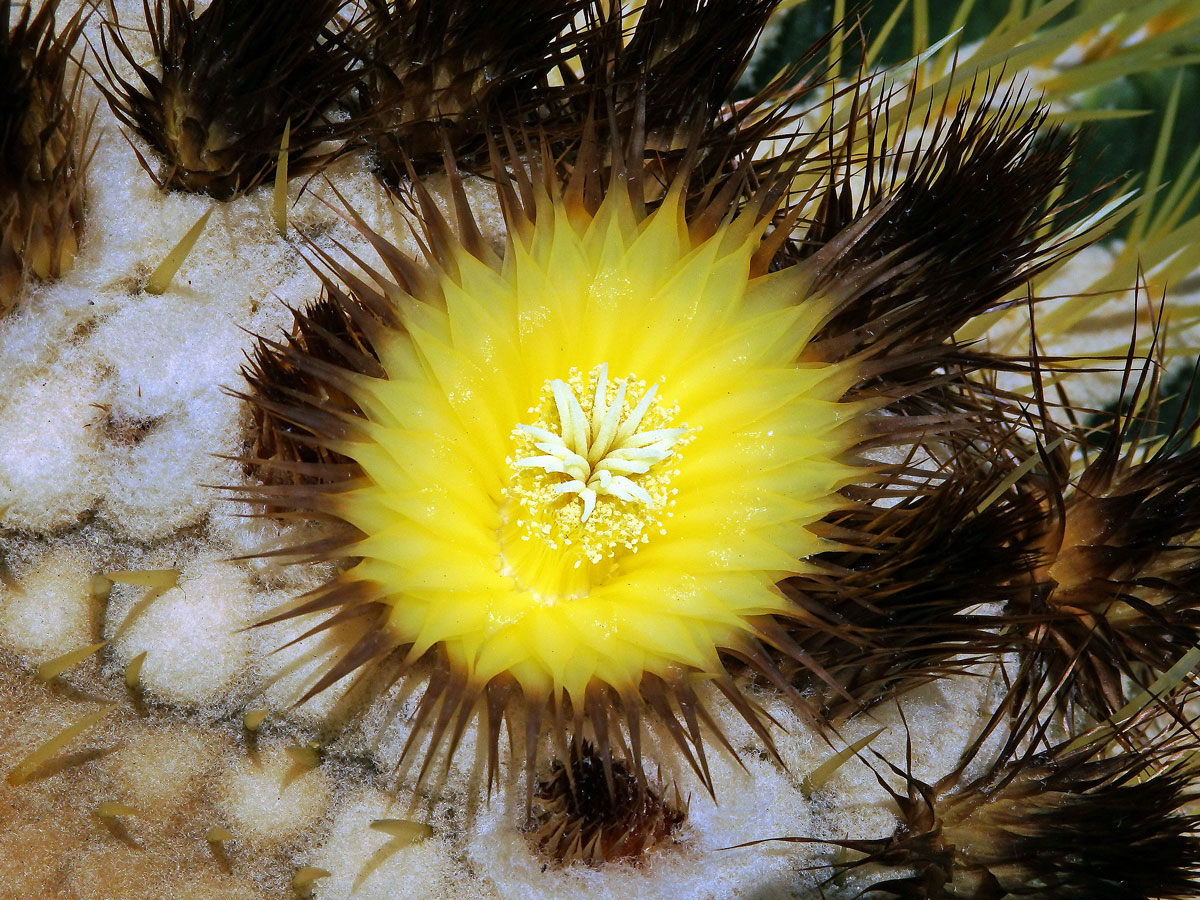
[
  {"x": 585, "y": 813},
  {"x": 233, "y": 78},
  {"x": 44, "y": 148}
]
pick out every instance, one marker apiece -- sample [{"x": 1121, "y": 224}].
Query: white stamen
[
  {"x": 540, "y": 433},
  {"x": 601, "y": 450},
  {"x": 570, "y": 487},
  {"x": 549, "y": 463},
  {"x": 625, "y": 489},
  {"x": 646, "y": 438},
  {"x": 570, "y": 414},
  {"x": 635, "y": 418},
  {"x": 604, "y": 435},
  {"x": 588, "y": 496},
  {"x": 599, "y": 406},
  {"x": 623, "y": 467}
]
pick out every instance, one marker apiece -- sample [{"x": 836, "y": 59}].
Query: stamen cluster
[{"x": 599, "y": 482}]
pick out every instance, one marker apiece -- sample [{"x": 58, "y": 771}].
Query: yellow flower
[
  {"x": 595, "y": 459},
  {"x": 582, "y": 472}
]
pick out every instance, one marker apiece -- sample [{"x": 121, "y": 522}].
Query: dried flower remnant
[
  {"x": 233, "y": 78},
  {"x": 960, "y": 230},
  {"x": 1072, "y": 823},
  {"x": 44, "y": 147},
  {"x": 437, "y": 77},
  {"x": 664, "y": 66},
  {"x": 326, "y": 332},
  {"x": 1112, "y": 599},
  {"x": 900, "y": 601},
  {"x": 599, "y": 811},
  {"x": 667, "y": 71},
  {"x": 434, "y": 73}
]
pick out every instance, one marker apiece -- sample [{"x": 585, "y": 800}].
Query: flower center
[{"x": 590, "y": 480}]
